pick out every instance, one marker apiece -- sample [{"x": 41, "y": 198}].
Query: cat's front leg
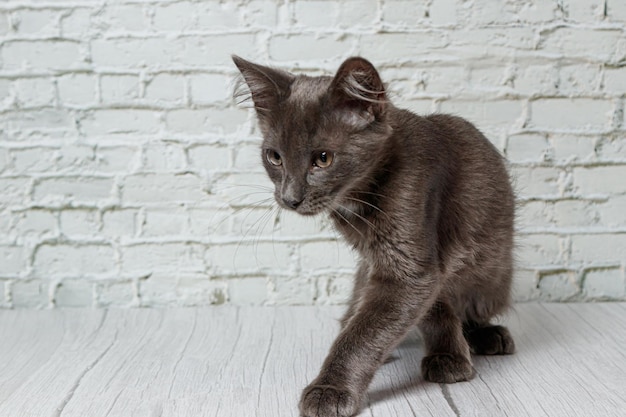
[{"x": 387, "y": 310}]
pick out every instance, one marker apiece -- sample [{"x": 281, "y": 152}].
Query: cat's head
[{"x": 322, "y": 136}]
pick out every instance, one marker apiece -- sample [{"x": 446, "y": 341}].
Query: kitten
[{"x": 425, "y": 201}]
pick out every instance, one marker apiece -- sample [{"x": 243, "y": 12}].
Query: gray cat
[{"x": 425, "y": 201}]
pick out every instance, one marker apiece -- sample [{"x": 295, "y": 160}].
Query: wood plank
[{"x": 243, "y": 362}]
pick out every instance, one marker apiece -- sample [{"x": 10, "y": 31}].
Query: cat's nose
[{"x": 292, "y": 203}]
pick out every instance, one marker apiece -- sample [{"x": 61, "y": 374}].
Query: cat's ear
[
  {"x": 358, "y": 89},
  {"x": 266, "y": 86}
]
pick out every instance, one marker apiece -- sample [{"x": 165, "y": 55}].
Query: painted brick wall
[{"x": 129, "y": 178}]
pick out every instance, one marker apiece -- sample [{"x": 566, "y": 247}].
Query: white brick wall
[{"x": 129, "y": 178}]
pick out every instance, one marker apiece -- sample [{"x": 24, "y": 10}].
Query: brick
[
  {"x": 322, "y": 255},
  {"x": 536, "y": 79},
  {"x": 7, "y": 94},
  {"x": 158, "y": 258},
  {"x": 558, "y": 286},
  {"x": 80, "y": 223},
  {"x": 540, "y": 250},
  {"x": 160, "y": 157},
  {"x": 209, "y": 157},
  {"x": 249, "y": 257},
  {"x": 208, "y": 222},
  {"x": 116, "y": 158},
  {"x": 48, "y": 160},
  {"x": 527, "y": 148},
  {"x": 403, "y": 12},
  {"x": 163, "y": 188},
  {"x": 39, "y": 120},
  {"x": 613, "y": 211},
  {"x": 118, "y": 223},
  {"x": 615, "y": 80},
  {"x": 77, "y": 22},
  {"x": 599, "y": 248},
  {"x": 30, "y": 294},
  {"x": 537, "y": 181},
  {"x": 115, "y": 294},
  {"x": 525, "y": 286},
  {"x": 333, "y": 289},
  {"x": 166, "y": 222},
  {"x": 293, "y": 225},
  {"x": 82, "y": 189},
  {"x": 41, "y": 22},
  {"x": 202, "y": 121},
  {"x": 605, "y": 283},
  {"x": 616, "y": 10},
  {"x": 248, "y": 158},
  {"x": 199, "y": 290},
  {"x": 120, "y": 121},
  {"x": 12, "y": 259},
  {"x": 442, "y": 80},
  {"x": 37, "y": 224},
  {"x": 574, "y": 213},
  {"x": 318, "y": 47},
  {"x": 255, "y": 222},
  {"x": 77, "y": 89},
  {"x": 292, "y": 291},
  {"x": 597, "y": 45},
  {"x": 600, "y": 180},
  {"x": 181, "y": 51},
  {"x": 389, "y": 46},
  {"x": 578, "y": 79},
  {"x": 485, "y": 113},
  {"x": 41, "y": 55},
  {"x": 248, "y": 291},
  {"x": 4, "y": 23},
  {"x": 185, "y": 15},
  {"x": 611, "y": 148},
  {"x": 263, "y": 13},
  {"x": 125, "y": 17},
  {"x": 346, "y": 14},
  {"x": 166, "y": 87},
  {"x": 492, "y": 41},
  {"x": 565, "y": 114},
  {"x": 443, "y": 13},
  {"x": 74, "y": 293},
  {"x": 13, "y": 191},
  {"x": 119, "y": 88},
  {"x": 34, "y": 92},
  {"x": 584, "y": 11},
  {"x": 210, "y": 88},
  {"x": 242, "y": 185},
  {"x": 4, "y": 159},
  {"x": 73, "y": 260},
  {"x": 570, "y": 148},
  {"x": 535, "y": 214}
]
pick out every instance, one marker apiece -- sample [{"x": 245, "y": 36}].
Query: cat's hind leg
[
  {"x": 447, "y": 357},
  {"x": 487, "y": 339}
]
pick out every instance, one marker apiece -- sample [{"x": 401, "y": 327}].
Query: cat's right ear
[
  {"x": 266, "y": 86},
  {"x": 358, "y": 92}
]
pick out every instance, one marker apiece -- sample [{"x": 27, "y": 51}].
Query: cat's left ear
[
  {"x": 267, "y": 86},
  {"x": 358, "y": 88}
]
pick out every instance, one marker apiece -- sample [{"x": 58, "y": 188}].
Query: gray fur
[{"x": 425, "y": 201}]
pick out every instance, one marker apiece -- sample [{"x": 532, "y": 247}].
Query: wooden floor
[{"x": 246, "y": 362}]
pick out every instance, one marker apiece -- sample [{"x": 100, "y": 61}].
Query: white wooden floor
[{"x": 246, "y": 362}]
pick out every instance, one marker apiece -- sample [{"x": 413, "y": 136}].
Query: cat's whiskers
[
  {"x": 368, "y": 204},
  {"x": 347, "y": 221},
  {"x": 370, "y": 224}
]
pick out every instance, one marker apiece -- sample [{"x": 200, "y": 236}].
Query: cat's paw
[
  {"x": 446, "y": 368},
  {"x": 327, "y": 401},
  {"x": 491, "y": 340}
]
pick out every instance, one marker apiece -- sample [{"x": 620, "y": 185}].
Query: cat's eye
[
  {"x": 323, "y": 159},
  {"x": 273, "y": 157}
]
